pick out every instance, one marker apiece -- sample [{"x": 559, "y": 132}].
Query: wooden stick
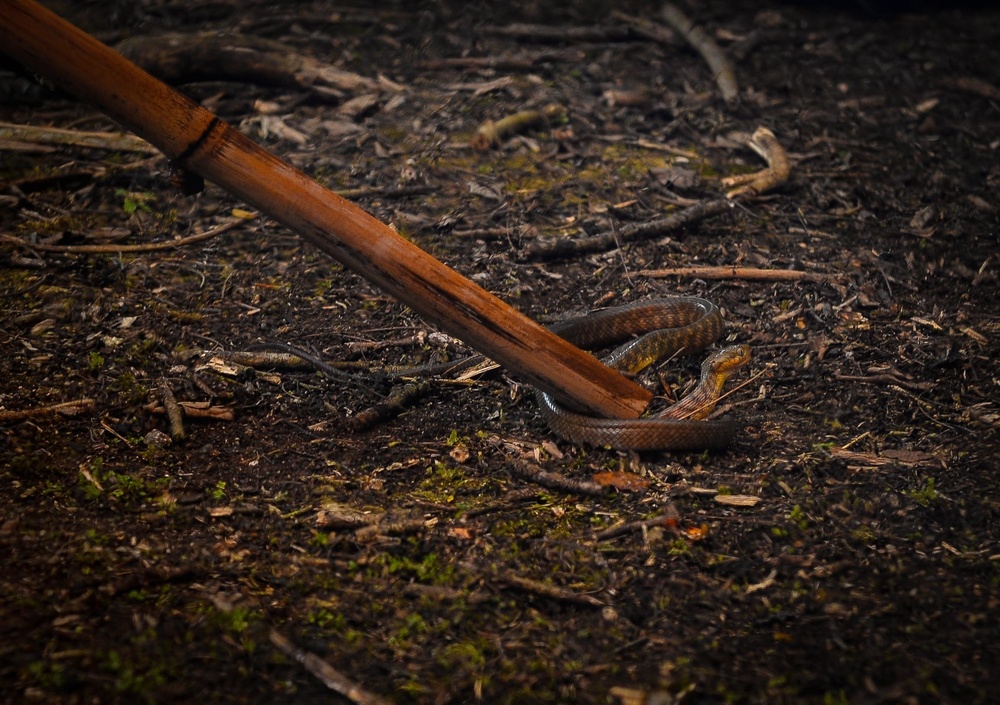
[
  {"x": 327, "y": 674},
  {"x": 66, "y": 408},
  {"x": 174, "y": 413},
  {"x": 118, "y": 249},
  {"x": 196, "y": 140},
  {"x": 547, "y": 249},
  {"x": 114, "y": 141},
  {"x": 764, "y": 143},
  {"x": 718, "y": 62},
  {"x": 747, "y": 273}
]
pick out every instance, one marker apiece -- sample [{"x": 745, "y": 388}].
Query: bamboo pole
[{"x": 195, "y": 139}]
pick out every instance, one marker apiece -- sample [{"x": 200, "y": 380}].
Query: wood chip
[{"x": 737, "y": 500}]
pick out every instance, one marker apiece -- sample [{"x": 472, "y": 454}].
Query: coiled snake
[{"x": 667, "y": 327}]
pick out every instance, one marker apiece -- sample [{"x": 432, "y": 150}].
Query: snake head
[{"x": 722, "y": 363}]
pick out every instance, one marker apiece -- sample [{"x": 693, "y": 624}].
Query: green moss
[{"x": 926, "y": 495}]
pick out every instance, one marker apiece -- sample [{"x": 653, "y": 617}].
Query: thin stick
[
  {"x": 491, "y": 134},
  {"x": 555, "y": 480},
  {"x": 555, "y": 249},
  {"x": 174, "y": 413},
  {"x": 66, "y": 408},
  {"x": 327, "y": 674},
  {"x": 197, "y": 140},
  {"x": 668, "y": 519},
  {"x": 114, "y": 141},
  {"x": 718, "y": 62},
  {"x": 119, "y": 249},
  {"x": 746, "y": 273},
  {"x": 398, "y": 400},
  {"x": 646, "y": 28},
  {"x": 537, "y": 587}
]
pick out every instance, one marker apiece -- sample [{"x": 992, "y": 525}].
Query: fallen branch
[
  {"x": 545, "y": 590},
  {"x": 327, "y": 674},
  {"x": 715, "y": 57},
  {"x": 391, "y": 527},
  {"x": 554, "y": 480},
  {"x": 120, "y": 249},
  {"x": 264, "y": 359},
  {"x": 745, "y": 273},
  {"x": 911, "y": 458},
  {"x": 399, "y": 400},
  {"x": 210, "y": 56},
  {"x": 764, "y": 143},
  {"x": 66, "y": 408},
  {"x": 112, "y": 141},
  {"x": 630, "y": 232}
]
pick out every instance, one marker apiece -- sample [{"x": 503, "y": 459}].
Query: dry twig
[
  {"x": 491, "y": 134},
  {"x": 113, "y": 141},
  {"x": 502, "y": 62},
  {"x": 66, "y": 408},
  {"x": 715, "y": 57},
  {"x": 182, "y": 58},
  {"x": 554, "y": 480},
  {"x": 399, "y": 399},
  {"x": 327, "y": 674},
  {"x": 764, "y": 143},
  {"x": 174, "y": 413},
  {"x": 745, "y": 273},
  {"x": 119, "y": 249},
  {"x": 646, "y": 28},
  {"x": 668, "y": 519},
  {"x": 512, "y": 579},
  {"x": 553, "y": 249}
]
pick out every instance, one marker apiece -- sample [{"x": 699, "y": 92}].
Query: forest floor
[{"x": 845, "y": 549}]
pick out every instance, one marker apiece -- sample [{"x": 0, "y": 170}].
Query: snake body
[{"x": 666, "y": 327}]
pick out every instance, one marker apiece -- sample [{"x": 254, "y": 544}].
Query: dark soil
[{"x": 416, "y": 557}]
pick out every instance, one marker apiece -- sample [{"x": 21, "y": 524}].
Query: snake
[{"x": 665, "y": 327}]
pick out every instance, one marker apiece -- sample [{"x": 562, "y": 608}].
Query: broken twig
[
  {"x": 764, "y": 143},
  {"x": 118, "y": 249},
  {"x": 66, "y": 408},
  {"x": 745, "y": 273},
  {"x": 398, "y": 400},
  {"x": 327, "y": 674},
  {"x": 555, "y": 480},
  {"x": 112, "y": 141}
]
